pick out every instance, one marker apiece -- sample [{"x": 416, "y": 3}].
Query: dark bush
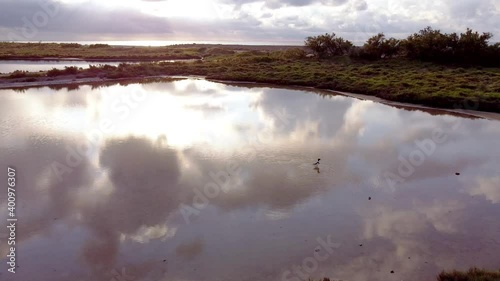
[
  {"x": 18, "y": 74},
  {"x": 70, "y": 45},
  {"x": 328, "y": 45},
  {"x": 378, "y": 47},
  {"x": 473, "y": 274},
  {"x": 98, "y": 46},
  {"x": 469, "y": 47},
  {"x": 72, "y": 70}
]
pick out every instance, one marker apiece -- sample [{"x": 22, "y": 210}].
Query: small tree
[
  {"x": 391, "y": 47},
  {"x": 429, "y": 44},
  {"x": 378, "y": 46},
  {"x": 316, "y": 45},
  {"x": 471, "y": 46},
  {"x": 373, "y": 47},
  {"x": 328, "y": 45}
]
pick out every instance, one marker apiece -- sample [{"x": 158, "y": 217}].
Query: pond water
[
  {"x": 8, "y": 66},
  {"x": 35, "y": 66},
  {"x": 195, "y": 180}
]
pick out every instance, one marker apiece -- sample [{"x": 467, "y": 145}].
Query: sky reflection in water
[{"x": 116, "y": 210}]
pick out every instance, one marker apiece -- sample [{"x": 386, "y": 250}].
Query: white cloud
[
  {"x": 489, "y": 188},
  {"x": 146, "y": 234}
]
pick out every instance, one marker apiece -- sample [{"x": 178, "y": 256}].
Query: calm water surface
[
  {"x": 8, "y": 66},
  {"x": 34, "y": 66},
  {"x": 120, "y": 183}
]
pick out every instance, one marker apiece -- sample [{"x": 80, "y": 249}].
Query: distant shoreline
[{"x": 160, "y": 43}]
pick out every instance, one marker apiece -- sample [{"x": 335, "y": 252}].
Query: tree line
[{"x": 469, "y": 47}]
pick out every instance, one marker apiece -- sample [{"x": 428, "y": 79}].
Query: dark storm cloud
[{"x": 32, "y": 20}]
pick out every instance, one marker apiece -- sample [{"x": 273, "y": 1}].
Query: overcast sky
[{"x": 269, "y": 21}]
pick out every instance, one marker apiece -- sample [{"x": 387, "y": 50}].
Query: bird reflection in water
[{"x": 317, "y": 169}]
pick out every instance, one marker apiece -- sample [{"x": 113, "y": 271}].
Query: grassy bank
[
  {"x": 103, "y": 52},
  {"x": 394, "y": 79}
]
